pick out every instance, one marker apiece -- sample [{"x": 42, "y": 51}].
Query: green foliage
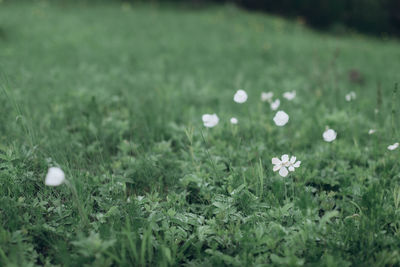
[{"x": 114, "y": 93}]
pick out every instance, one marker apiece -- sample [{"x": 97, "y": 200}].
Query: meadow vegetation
[{"x": 114, "y": 95}]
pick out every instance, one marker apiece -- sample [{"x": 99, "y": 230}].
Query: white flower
[
  {"x": 293, "y": 164},
  {"x": 210, "y": 120},
  {"x": 240, "y": 96},
  {"x": 371, "y": 131},
  {"x": 275, "y": 105},
  {"x": 266, "y": 96},
  {"x": 281, "y": 118},
  {"x": 55, "y": 176},
  {"x": 394, "y": 146},
  {"x": 234, "y": 120},
  {"x": 289, "y": 95},
  {"x": 350, "y": 96},
  {"x": 329, "y": 135},
  {"x": 284, "y": 164},
  {"x": 281, "y": 165}
]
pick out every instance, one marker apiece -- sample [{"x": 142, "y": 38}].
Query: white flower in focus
[
  {"x": 371, "y": 131},
  {"x": 329, "y": 135},
  {"x": 266, "y": 96},
  {"x": 240, "y": 96},
  {"x": 394, "y": 146},
  {"x": 293, "y": 164},
  {"x": 281, "y": 118},
  {"x": 281, "y": 165},
  {"x": 289, "y": 95},
  {"x": 55, "y": 177},
  {"x": 234, "y": 120},
  {"x": 275, "y": 105},
  {"x": 210, "y": 120},
  {"x": 350, "y": 96}
]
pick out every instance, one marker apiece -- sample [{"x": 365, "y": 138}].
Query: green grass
[{"x": 114, "y": 94}]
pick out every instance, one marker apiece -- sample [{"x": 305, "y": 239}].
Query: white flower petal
[
  {"x": 371, "y": 131},
  {"x": 55, "y": 176},
  {"x": 275, "y": 105},
  {"x": 276, "y": 161},
  {"x": 206, "y": 117},
  {"x": 234, "y": 120},
  {"x": 292, "y": 159},
  {"x": 281, "y": 118},
  {"x": 329, "y": 135},
  {"x": 291, "y": 168},
  {"x": 283, "y": 172},
  {"x": 297, "y": 164},
  {"x": 266, "y": 96},
  {"x": 394, "y": 146},
  {"x": 350, "y": 96},
  {"x": 210, "y": 120},
  {"x": 285, "y": 158},
  {"x": 276, "y": 167},
  {"x": 290, "y": 95},
  {"x": 240, "y": 96}
]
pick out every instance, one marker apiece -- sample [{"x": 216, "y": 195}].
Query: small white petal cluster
[
  {"x": 289, "y": 95},
  {"x": 371, "y": 131},
  {"x": 284, "y": 165},
  {"x": 394, "y": 146},
  {"x": 281, "y": 118},
  {"x": 266, "y": 96},
  {"x": 275, "y": 105},
  {"x": 55, "y": 177},
  {"x": 329, "y": 135},
  {"x": 210, "y": 120},
  {"x": 240, "y": 96},
  {"x": 234, "y": 120},
  {"x": 350, "y": 96}
]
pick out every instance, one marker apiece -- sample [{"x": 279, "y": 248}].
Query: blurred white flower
[
  {"x": 281, "y": 118},
  {"x": 329, "y": 135},
  {"x": 394, "y": 146},
  {"x": 55, "y": 177},
  {"x": 275, "y": 105},
  {"x": 371, "y": 131},
  {"x": 350, "y": 96},
  {"x": 210, "y": 120},
  {"x": 289, "y": 95},
  {"x": 240, "y": 96},
  {"x": 266, "y": 96},
  {"x": 234, "y": 120},
  {"x": 293, "y": 164}
]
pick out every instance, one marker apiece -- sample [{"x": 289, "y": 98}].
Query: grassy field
[{"x": 114, "y": 95}]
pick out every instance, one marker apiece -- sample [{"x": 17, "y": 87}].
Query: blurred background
[{"x": 379, "y": 17}]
